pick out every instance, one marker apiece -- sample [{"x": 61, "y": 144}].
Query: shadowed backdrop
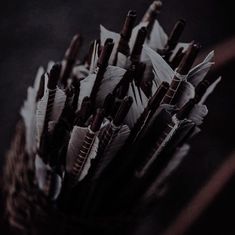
[{"x": 34, "y": 32}]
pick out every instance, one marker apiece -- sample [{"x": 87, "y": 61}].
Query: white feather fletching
[
  {"x": 50, "y": 65},
  {"x": 198, "y": 114},
  {"x": 105, "y": 34},
  {"x": 80, "y": 72},
  {"x": 197, "y": 74},
  {"x": 112, "y": 77},
  {"x": 41, "y": 171},
  {"x": 122, "y": 61},
  {"x": 210, "y": 89},
  {"x": 163, "y": 71},
  {"x": 92, "y": 155},
  {"x": 137, "y": 106},
  {"x": 115, "y": 144},
  {"x": 94, "y": 58},
  {"x": 40, "y": 114},
  {"x": 37, "y": 80},
  {"x": 179, "y": 45},
  {"x": 28, "y": 114},
  {"x": 77, "y": 137},
  {"x": 59, "y": 102},
  {"x": 187, "y": 92},
  {"x": 135, "y": 33},
  {"x": 158, "y": 37},
  {"x": 86, "y": 86}
]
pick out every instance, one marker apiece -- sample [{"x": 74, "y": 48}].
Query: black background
[{"x": 34, "y": 32}]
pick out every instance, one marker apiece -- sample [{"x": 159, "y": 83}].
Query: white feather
[
  {"x": 94, "y": 58},
  {"x": 135, "y": 33},
  {"x": 80, "y": 72},
  {"x": 137, "y": 107},
  {"x": 86, "y": 86},
  {"x": 105, "y": 34},
  {"x": 37, "y": 80},
  {"x": 41, "y": 171},
  {"x": 197, "y": 74},
  {"x": 77, "y": 137},
  {"x": 164, "y": 142},
  {"x": 91, "y": 156},
  {"x": 40, "y": 115},
  {"x": 179, "y": 45},
  {"x": 50, "y": 65},
  {"x": 163, "y": 71},
  {"x": 112, "y": 77},
  {"x": 158, "y": 37},
  {"x": 51, "y": 126},
  {"x": 28, "y": 114},
  {"x": 115, "y": 144},
  {"x": 210, "y": 90},
  {"x": 122, "y": 61},
  {"x": 187, "y": 92},
  {"x": 59, "y": 102},
  {"x": 198, "y": 114}
]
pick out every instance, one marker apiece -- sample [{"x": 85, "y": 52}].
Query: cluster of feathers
[{"x": 100, "y": 136}]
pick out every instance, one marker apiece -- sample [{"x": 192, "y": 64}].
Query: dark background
[{"x": 34, "y": 32}]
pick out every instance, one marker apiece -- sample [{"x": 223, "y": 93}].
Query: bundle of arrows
[{"x": 101, "y": 136}]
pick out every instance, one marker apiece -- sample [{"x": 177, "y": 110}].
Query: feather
[
  {"x": 80, "y": 72},
  {"x": 105, "y": 34},
  {"x": 41, "y": 172},
  {"x": 59, "y": 102},
  {"x": 51, "y": 126},
  {"x": 94, "y": 58},
  {"x": 46, "y": 179},
  {"x": 163, "y": 72},
  {"x": 210, "y": 89},
  {"x": 179, "y": 45},
  {"x": 86, "y": 86},
  {"x": 117, "y": 140},
  {"x": 137, "y": 107},
  {"x": 28, "y": 114},
  {"x": 135, "y": 33},
  {"x": 197, "y": 74},
  {"x": 122, "y": 61},
  {"x": 186, "y": 91},
  {"x": 92, "y": 155},
  {"x": 41, "y": 114},
  {"x": 162, "y": 145},
  {"x": 77, "y": 136},
  {"x": 37, "y": 80},
  {"x": 50, "y": 65},
  {"x": 158, "y": 37},
  {"x": 198, "y": 113},
  {"x": 112, "y": 77}
]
